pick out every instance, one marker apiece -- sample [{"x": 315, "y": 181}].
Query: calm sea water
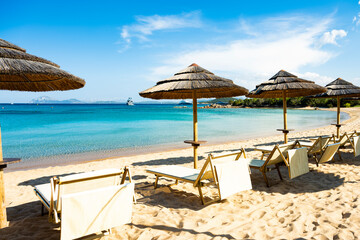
[{"x": 33, "y": 131}]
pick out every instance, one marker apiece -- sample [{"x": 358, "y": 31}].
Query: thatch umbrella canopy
[
  {"x": 339, "y": 88},
  {"x": 192, "y": 83},
  {"x": 20, "y": 71},
  {"x": 283, "y": 85}
]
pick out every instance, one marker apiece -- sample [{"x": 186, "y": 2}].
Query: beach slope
[{"x": 323, "y": 204}]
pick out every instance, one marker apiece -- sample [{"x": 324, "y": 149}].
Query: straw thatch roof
[
  {"x": 284, "y": 81},
  {"x": 21, "y": 71},
  {"x": 341, "y": 88},
  {"x": 194, "y": 77}
]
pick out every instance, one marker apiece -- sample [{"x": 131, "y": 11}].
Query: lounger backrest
[
  {"x": 277, "y": 155},
  {"x": 96, "y": 210},
  {"x": 352, "y": 134},
  {"x": 227, "y": 157},
  {"x": 87, "y": 181},
  {"x": 329, "y": 153},
  {"x": 319, "y": 145},
  {"x": 356, "y": 141},
  {"x": 232, "y": 177},
  {"x": 298, "y": 162},
  {"x": 207, "y": 170},
  {"x": 344, "y": 139}
]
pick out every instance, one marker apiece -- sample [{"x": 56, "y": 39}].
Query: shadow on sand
[
  {"x": 167, "y": 161},
  {"x": 167, "y": 196},
  {"x": 178, "y": 230},
  {"x": 29, "y": 214},
  {"x": 175, "y": 197},
  {"x": 314, "y": 181},
  {"x": 42, "y": 180}
]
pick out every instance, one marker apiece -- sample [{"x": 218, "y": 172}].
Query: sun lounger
[
  {"x": 356, "y": 144},
  {"x": 266, "y": 150},
  {"x": 50, "y": 193},
  {"x": 295, "y": 159},
  {"x": 329, "y": 153},
  {"x": 352, "y": 134},
  {"x": 276, "y": 156},
  {"x": 229, "y": 173},
  {"x": 345, "y": 140},
  {"x": 317, "y": 147}
]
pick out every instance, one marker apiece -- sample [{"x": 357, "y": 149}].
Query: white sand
[{"x": 322, "y": 204}]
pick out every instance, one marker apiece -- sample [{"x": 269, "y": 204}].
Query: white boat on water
[{"x": 130, "y": 102}]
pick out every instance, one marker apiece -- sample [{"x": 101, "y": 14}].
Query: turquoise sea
[{"x": 44, "y": 131}]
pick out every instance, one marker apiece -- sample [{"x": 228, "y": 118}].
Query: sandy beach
[{"x": 322, "y": 204}]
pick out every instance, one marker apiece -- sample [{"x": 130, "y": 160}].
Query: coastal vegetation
[{"x": 291, "y": 102}]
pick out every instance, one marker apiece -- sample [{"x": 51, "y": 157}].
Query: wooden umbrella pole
[
  {"x": 195, "y": 129},
  {"x": 338, "y": 118},
  {"x": 285, "y": 116},
  {"x": 3, "y": 218}
]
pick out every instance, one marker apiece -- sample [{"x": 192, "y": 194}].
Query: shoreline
[
  {"x": 85, "y": 157},
  {"x": 291, "y": 208}
]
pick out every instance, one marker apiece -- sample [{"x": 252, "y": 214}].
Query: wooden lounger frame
[{"x": 204, "y": 175}]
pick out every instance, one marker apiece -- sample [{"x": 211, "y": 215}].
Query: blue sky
[{"x": 123, "y": 47}]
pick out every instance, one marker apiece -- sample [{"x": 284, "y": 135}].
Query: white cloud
[
  {"x": 332, "y": 36},
  {"x": 317, "y": 78},
  {"x": 146, "y": 25},
  {"x": 275, "y": 44},
  {"x": 354, "y": 19}
]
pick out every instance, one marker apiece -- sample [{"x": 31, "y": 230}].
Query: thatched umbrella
[
  {"x": 192, "y": 83},
  {"x": 283, "y": 85},
  {"x": 20, "y": 71},
  {"x": 339, "y": 88}
]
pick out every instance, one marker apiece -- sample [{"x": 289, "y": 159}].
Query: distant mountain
[
  {"x": 108, "y": 102},
  {"x": 46, "y": 99},
  {"x": 158, "y": 102}
]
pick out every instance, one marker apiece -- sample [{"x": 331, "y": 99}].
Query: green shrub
[{"x": 347, "y": 105}]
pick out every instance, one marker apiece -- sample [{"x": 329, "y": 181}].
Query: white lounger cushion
[
  {"x": 44, "y": 190},
  {"x": 298, "y": 162},
  {"x": 177, "y": 172},
  {"x": 93, "y": 211},
  {"x": 233, "y": 177},
  {"x": 256, "y": 162},
  {"x": 329, "y": 153}
]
